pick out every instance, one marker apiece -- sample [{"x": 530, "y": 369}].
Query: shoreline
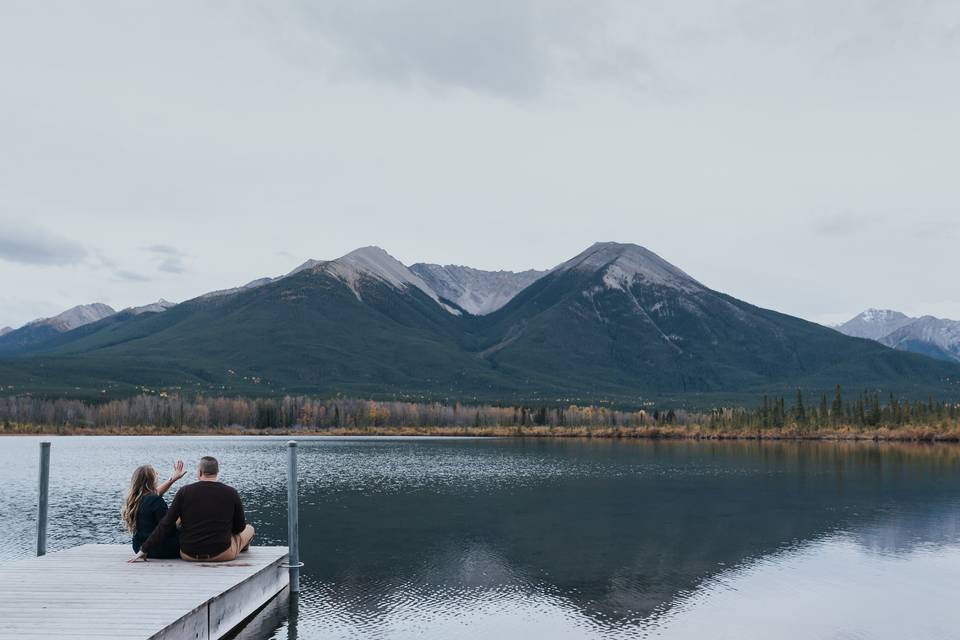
[{"x": 911, "y": 433}]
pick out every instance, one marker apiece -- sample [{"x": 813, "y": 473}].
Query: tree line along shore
[{"x": 863, "y": 417}]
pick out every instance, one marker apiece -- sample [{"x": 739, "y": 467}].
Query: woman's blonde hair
[{"x": 142, "y": 483}]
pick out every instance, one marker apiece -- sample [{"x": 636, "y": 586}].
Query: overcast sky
[{"x": 801, "y": 155}]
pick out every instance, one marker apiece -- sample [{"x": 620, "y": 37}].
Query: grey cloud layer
[
  {"x": 172, "y": 264},
  {"x": 171, "y": 259},
  {"x": 165, "y": 249},
  {"x": 812, "y": 137},
  {"x": 519, "y": 48},
  {"x": 510, "y": 48},
  {"x": 130, "y": 276},
  {"x": 33, "y": 245}
]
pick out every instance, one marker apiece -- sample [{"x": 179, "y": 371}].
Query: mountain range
[
  {"x": 40, "y": 331},
  {"x": 934, "y": 337},
  {"x": 43, "y": 329},
  {"x": 615, "y": 323}
]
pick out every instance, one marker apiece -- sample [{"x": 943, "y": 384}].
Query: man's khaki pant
[{"x": 238, "y": 542}]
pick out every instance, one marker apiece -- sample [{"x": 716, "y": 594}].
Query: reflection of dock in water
[{"x": 90, "y": 592}]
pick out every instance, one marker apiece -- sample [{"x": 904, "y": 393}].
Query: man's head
[{"x": 208, "y": 469}]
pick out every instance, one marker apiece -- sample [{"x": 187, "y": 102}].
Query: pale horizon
[{"x": 827, "y": 320}]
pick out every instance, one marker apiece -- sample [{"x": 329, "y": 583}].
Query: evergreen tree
[
  {"x": 875, "y": 413},
  {"x": 799, "y": 412},
  {"x": 836, "y": 411},
  {"x": 540, "y": 418}
]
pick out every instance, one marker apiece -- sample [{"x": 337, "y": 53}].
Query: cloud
[
  {"x": 935, "y": 228},
  {"x": 118, "y": 272},
  {"x": 165, "y": 249},
  {"x": 171, "y": 259},
  {"x": 131, "y": 276},
  {"x": 519, "y": 49},
  {"x": 508, "y": 48},
  {"x": 105, "y": 260},
  {"x": 847, "y": 224},
  {"x": 172, "y": 264},
  {"x": 37, "y": 246},
  {"x": 903, "y": 223}
]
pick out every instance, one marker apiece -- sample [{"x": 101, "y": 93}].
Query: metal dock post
[
  {"x": 43, "y": 500},
  {"x": 293, "y": 518}
]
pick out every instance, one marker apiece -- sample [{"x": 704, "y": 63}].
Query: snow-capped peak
[
  {"x": 376, "y": 263},
  {"x": 874, "y": 324},
  {"x": 309, "y": 264},
  {"x": 479, "y": 292},
  {"x": 154, "y": 307},
  {"x": 77, "y": 316},
  {"x": 253, "y": 284},
  {"x": 623, "y": 265},
  {"x": 881, "y": 315}
]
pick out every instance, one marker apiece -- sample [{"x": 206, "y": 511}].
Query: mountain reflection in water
[{"x": 449, "y": 538}]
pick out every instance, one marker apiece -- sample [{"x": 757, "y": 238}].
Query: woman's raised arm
[{"x": 178, "y": 473}]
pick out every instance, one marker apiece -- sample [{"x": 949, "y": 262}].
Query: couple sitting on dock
[{"x": 212, "y": 525}]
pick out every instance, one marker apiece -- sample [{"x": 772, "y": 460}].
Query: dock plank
[{"x": 91, "y": 591}]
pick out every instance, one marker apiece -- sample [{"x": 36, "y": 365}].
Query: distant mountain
[
  {"x": 874, "y": 324},
  {"x": 616, "y": 322},
  {"x": 259, "y": 282},
  {"x": 5, "y": 330},
  {"x": 39, "y": 331},
  {"x": 76, "y": 316},
  {"x": 47, "y": 332},
  {"x": 154, "y": 307},
  {"x": 619, "y": 316},
  {"x": 359, "y": 323},
  {"x": 473, "y": 290},
  {"x": 934, "y": 337},
  {"x": 373, "y": 262},
  {"x": 309, "y": 264},
  {"x": 253, "y": 284},
  {"x": 367, "y": 261}
]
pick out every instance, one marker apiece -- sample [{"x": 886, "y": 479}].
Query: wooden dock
[{"x": 91, "y": 592}]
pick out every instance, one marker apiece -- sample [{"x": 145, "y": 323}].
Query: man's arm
[
  {"x": 166, "y": 524},
  {"x": 239, "y": 521}
]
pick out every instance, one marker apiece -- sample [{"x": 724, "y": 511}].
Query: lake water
[{"x": 450, "y": 538}]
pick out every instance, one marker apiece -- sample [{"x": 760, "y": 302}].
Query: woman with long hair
[{"x": 144, "y": 506}]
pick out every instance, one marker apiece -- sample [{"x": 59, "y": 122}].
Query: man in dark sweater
[{"x": 213, "y": 528}]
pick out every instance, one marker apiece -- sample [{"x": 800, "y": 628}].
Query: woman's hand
[
  {"x": 141, "y": 555},
  {"x": 178, "y": 472}
]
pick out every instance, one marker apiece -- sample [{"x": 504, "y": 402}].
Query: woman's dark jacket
[{"x": 152, "y": 509}]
